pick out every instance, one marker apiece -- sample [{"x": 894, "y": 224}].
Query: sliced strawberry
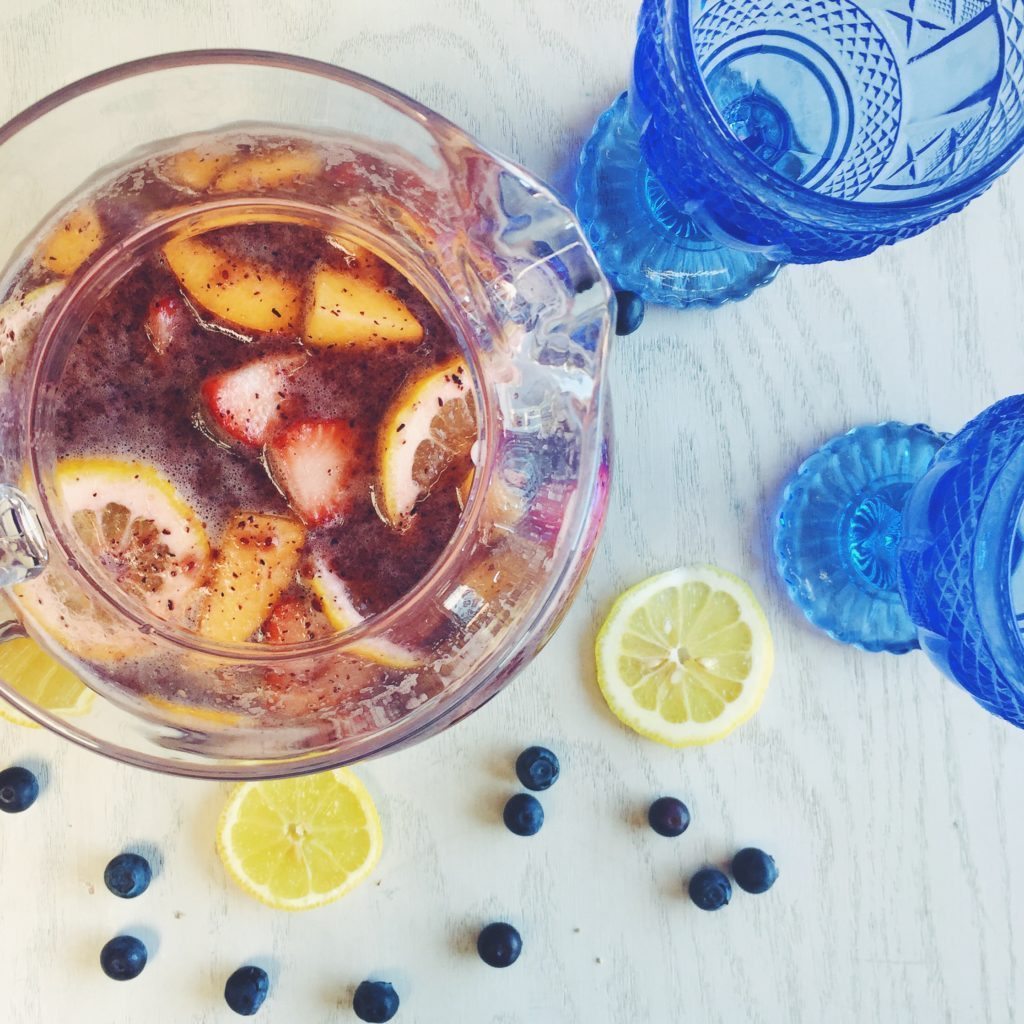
[
  {"x": 294, "y": 620},
  {"x": 247, "y": 404},
  {"x": 166, "y": 320},
  {"x": 313, "y": 463}
]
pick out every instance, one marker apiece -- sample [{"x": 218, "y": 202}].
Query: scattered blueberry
[
  {"x": 18, "y": 789},
  {"x": 584, "y": 283},
  {"x": 128, "y": 875},
  {"x": 630, "y": 313},
  {"x": 123, "y": 958},
  {"x": 375, "y": 1001},
  {"x": 246, "y": 989},
  {"x": 523, "y": 815},
  {"x": 499, "y": 945},
  {"x": 669, "y": 817},
  {"x": 710, "y": 889},
  {"x": 537, "y": 768},
  {"x": 754, "y": 870}
]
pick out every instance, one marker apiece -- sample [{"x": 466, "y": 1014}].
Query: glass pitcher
[{"x": 506, "y": 267}]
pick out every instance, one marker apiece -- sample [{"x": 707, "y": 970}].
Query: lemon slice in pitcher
[
  {"x": 145, "y": 537},
  {"x": 27, "y": 668},
  {"x": 430, "y": 425},
  {"x": 685, "y": 657},
  {"x": 143, "y": 533},
  {"x": 299, "y": 843},
  {"x": 342, "y": 614}
]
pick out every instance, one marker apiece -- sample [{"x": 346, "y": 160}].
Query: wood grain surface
[{"x": 891, "y": 802}]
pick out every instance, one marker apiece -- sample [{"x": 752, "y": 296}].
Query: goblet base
[
  {"x": 838, "y": 529},
  {"x": 644, "y": 242}
]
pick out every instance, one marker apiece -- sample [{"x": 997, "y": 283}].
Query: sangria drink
[{"x": 262, "y": 433}]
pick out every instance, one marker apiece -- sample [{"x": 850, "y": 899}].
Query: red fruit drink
[{"x": 262, "y": 432}]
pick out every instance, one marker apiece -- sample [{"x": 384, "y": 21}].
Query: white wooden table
[{"x": 891, "y": 802}]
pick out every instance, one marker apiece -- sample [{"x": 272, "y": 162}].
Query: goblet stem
[{"x": 669, "y": 253}]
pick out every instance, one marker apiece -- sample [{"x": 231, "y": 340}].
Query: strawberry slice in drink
[
  {"x": 167, "y": 320},
  {"x": 247, "y": 404},
  {"x": 313, "y": 463}
]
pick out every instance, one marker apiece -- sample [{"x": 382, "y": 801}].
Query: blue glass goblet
[
  {"x": 761, "y": 132},
  {"x": 894, "y": 537}
]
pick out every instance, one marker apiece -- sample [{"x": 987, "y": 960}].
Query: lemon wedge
[
  {"x": 139, "y": 528},
  {"x": 343, "y": 614},
  {"x": 685, "y": 657},
  {"x": 430, "y": 425},
  {"x": 146, "y": 539},
  {"x": 299, "y": 843}
]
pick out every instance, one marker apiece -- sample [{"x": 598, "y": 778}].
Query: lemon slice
[
  {"x": 144, "y": 536},
  {"x": 20, "y": 318},
  {"x": 343, "y": 614},
  {"x": 430, "y": 425},
  {"x": 37, "y": 677},
  {"x": 139, "y": 528},
  {"x": 193, "y": 716},
  {"x": 685, "y": 657},
  {"x": 299, "y": 843}
]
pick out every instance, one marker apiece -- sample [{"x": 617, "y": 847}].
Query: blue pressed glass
[
  {"x": 889, "y": 538},
  {"x": 760, "y": 132}
]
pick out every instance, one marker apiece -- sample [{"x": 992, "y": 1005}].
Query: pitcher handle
[{"x": 23, "y": 552}]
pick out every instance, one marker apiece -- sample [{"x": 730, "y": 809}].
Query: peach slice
[
  {"x": 196, "y": 168},
  {"x": 347, "y": 309},
  {"x": 255, "y": 564},
  {"x": 360, "y": 261},
  {"x": 78, "y": 235},
  {"x": 241, "y": 294},
  {"x": 269, "y": 170}
]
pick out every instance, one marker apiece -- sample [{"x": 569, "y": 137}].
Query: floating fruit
[
  {"x": 248, "y": 403},
  {"x": 286, "y": 166},
  {"x": 196, "y": 168},
  {"x": 342, "y": 614},
  {"x": 351, "y": 307},
  {"x": 139, "y": 528},
  {"x": 75, "y": 238},
  {"x": 430, "y": 425},
  {"x": 256, "y": 562},
  {"x": 313, "y": 462},
  {"x": 241, "y": 294}
]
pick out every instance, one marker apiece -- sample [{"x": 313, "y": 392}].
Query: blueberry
[
  {"x": 710, "y": 889},
  {"x": 499, "y": 945},
  {"x": 630, "y": 312},
  {"x": 18, "y": 789},
  {"x": 754, "y": 870},
  {"x": 246, "y": 989},
  {"x": 669, "y": 817},
  {"x": 523, "y": 815},
  {"x": 584, "y": 283},
  {"x": 537, "y": 768},
  {"x": 375, "y": 1001},
  {"x": 128, "y": 875},
  {"x": 123, "y": 958}
]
